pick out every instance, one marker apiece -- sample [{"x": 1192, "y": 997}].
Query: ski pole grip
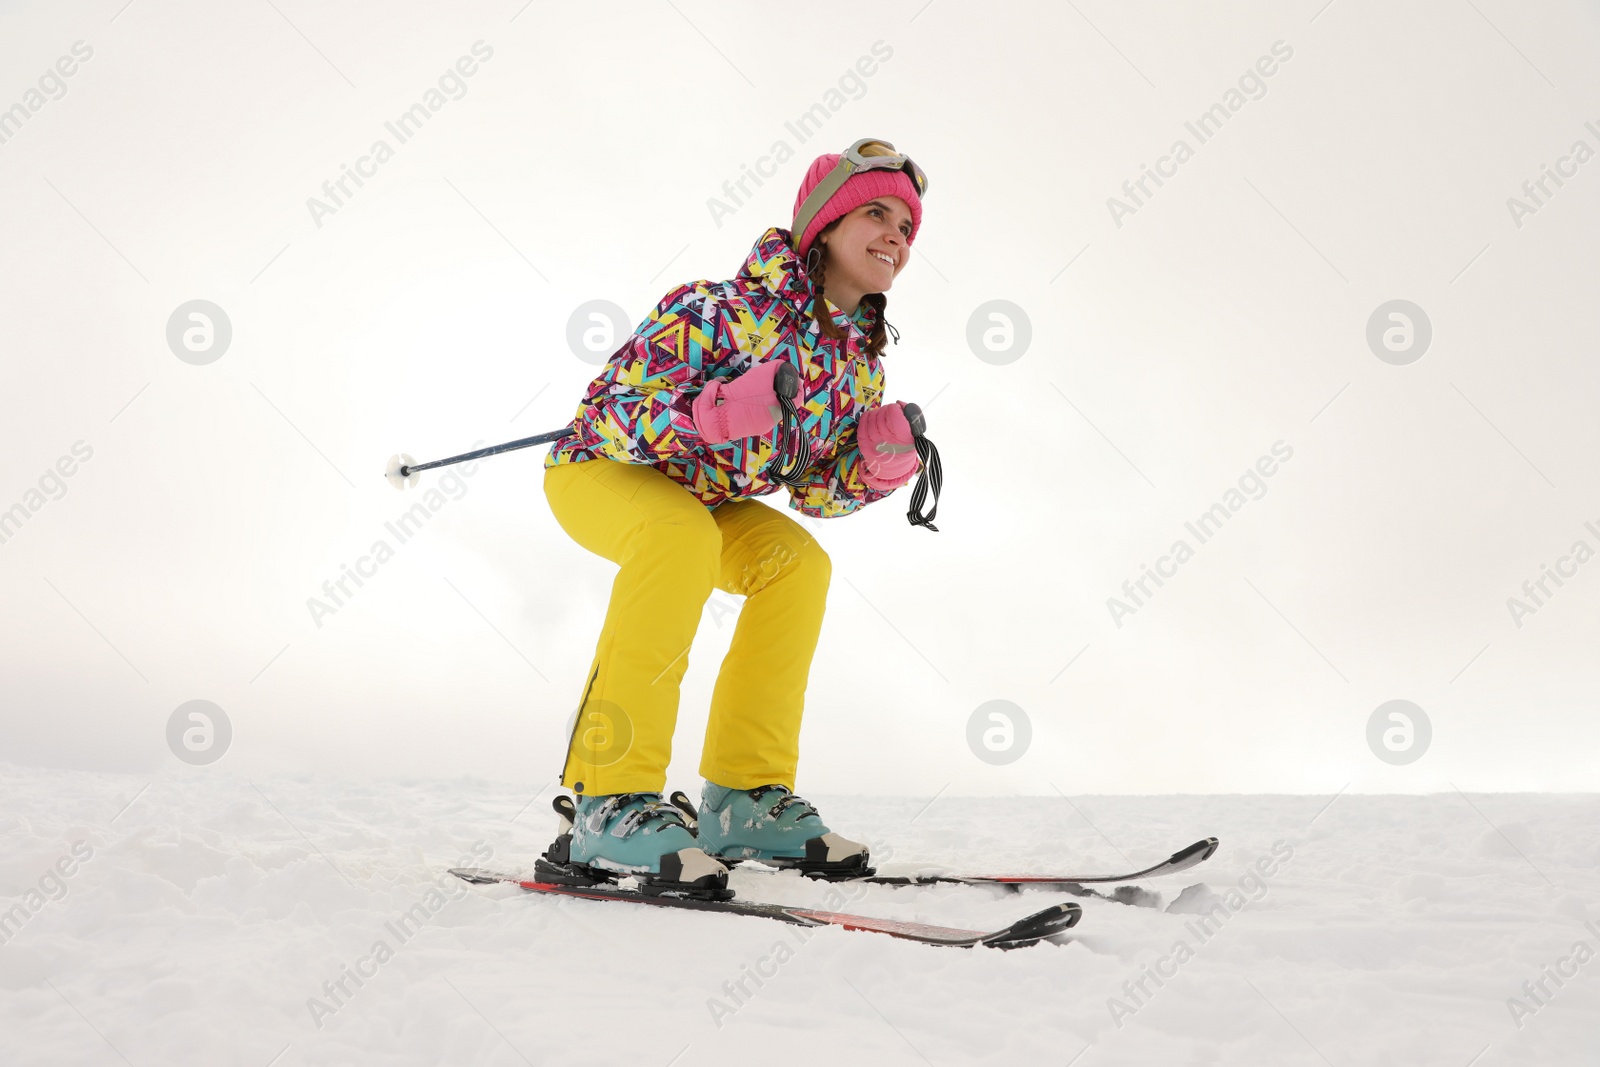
[
  {"x": 913, "y": 414},
  {"x": 786, "y": 383}
]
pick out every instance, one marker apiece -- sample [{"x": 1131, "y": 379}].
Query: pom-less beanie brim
[{"x": 858, "y": 189}]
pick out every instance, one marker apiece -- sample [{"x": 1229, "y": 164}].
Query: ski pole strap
[
  {"x": 932, "y": 473},
  {"x": 931, "y": 470},
  {"x": 794, "y": 452}
]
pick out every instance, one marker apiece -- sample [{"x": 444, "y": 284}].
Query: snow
[{"x": 203, "y": 913}]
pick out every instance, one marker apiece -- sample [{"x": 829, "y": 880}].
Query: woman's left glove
[{"x": 888, "y": 451}]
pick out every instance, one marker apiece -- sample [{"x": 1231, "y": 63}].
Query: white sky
[{"x": 430, "y": 311}]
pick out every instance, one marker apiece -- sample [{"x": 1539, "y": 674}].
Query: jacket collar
[{"x": 772, "y": 262}]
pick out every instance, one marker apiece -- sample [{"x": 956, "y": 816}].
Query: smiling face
[{"x": 866, "y": 250}]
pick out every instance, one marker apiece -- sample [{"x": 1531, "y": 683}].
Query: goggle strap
[
  {"x": 820, "y": 196},
  {"x": 850, "y": 163}
]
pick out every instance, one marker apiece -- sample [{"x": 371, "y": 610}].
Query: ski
[
  {"x": 1026, "y": 931},
  {"x": 1075, "y": 884},
  {"x": 1181, "y": 860}
]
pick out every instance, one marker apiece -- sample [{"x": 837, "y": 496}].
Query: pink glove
[
  {"x": 746, "y": 406},
  {"x": 888, "y": 452}
]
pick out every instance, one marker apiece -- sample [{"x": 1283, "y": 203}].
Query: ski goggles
[{"x": 852, "y": 161}]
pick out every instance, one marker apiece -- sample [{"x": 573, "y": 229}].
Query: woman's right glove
[
  {"x": 746, "y": 406},
  {"x": 888, "y": 449}
]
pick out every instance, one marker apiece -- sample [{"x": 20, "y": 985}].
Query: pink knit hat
[{"x": 857, "y": 190}]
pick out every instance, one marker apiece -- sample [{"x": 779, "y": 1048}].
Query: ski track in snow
[{"x": 213, "y": 907}]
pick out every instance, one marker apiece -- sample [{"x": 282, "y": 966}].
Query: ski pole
[
  {"x": 793, "y": 457},
  {"x": 404, "y": 472}
]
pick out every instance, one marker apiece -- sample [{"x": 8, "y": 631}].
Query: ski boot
[
  {"x": 602, "y": 840},
  {"x": 771, "y": 825}
]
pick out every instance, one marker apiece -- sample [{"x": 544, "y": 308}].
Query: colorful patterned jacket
[{"x": 638, "y": 409}]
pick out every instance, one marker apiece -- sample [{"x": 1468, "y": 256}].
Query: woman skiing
[{"x": 673, "y": 442}]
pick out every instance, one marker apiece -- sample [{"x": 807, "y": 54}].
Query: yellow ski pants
[{"x": 673, "y": 552}]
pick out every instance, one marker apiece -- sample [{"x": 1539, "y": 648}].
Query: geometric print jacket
[{"x": 638, "y": 410}]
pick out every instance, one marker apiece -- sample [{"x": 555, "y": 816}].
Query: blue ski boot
[
  {"x": 604, "y": 839},
  {"x": 774, "y": 826}
]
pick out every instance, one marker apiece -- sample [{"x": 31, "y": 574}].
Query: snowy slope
[{"x": 199, "y": 923}]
